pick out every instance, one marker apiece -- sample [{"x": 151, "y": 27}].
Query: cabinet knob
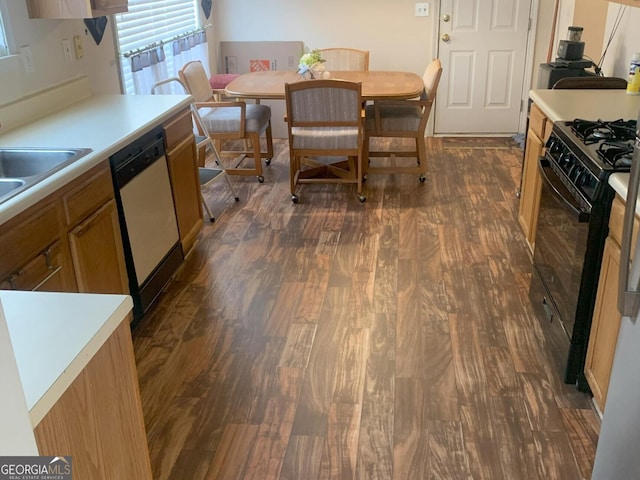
[{"x": 445, "y": 37}]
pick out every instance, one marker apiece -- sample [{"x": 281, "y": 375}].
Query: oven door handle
[{"x": 564, "y": 199}]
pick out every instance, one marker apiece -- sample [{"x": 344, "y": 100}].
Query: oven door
[{"x": 561, "y": 243}]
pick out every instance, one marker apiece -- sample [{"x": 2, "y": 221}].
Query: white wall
[
  {"x": 396, "y": 39},
  {"x": 625, "y": 42},
  {"x": 45, "y": 39}
]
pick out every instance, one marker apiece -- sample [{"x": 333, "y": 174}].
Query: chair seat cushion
[
  {"x": 394, "y": 117},
  {"x": 221, "y": 80},
  {"x": 227, "y": 119},
  {"x": 309, "y": 138}
]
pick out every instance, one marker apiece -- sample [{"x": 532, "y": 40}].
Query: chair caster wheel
[
  {"x": 212, "y": 219},
  {"x": 237, "y": 199},
  {"x": 362, "y": 198},
  {"x": 267, "y": 161},
  {"x": 422, "y": 178},
  {"x": 260, "y": 179},
  {"x": 294, "y": 198}
]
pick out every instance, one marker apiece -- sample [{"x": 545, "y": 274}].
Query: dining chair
[
  {"x": 228, "y": 120},
  {"x": 324, "y": 121},
  {"x": 400, "y": 119},
  {"x": 341, "y": 59},
  {"x": 206, "y": 175}
]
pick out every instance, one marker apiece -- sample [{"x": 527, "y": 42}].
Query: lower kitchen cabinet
[
  {"x": 98, "y": 419},
  {"x": 606, "y": 319},
  {"x": 35, "y": 254},
  {"x": 98, "y": 263},
  {"x": 69, "y": 241},
  {"x": 185, "y": 180},
  {"x": 539, "y": 130}
]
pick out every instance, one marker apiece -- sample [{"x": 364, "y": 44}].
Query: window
[
  {"x": 148, "y": 22},
  {"x": 4, "y": 46}
]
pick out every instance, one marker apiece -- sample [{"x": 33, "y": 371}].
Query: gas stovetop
[
  {"x": 603, "y": 146},
  {"x": 586, "y": 152}
]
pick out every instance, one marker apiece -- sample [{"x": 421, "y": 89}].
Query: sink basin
[
  {"x": 21, "y": 168},
  {"x": 28, "y": 162},
  {"x": 9, "y": 185}
]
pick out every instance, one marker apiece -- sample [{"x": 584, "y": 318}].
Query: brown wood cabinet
[
  {"x": 539, "y": 131},
  {"x": 69, "y": 241},
  {"x": 75, "y": 8},
  {"x": 94, "y": 235},
  {"x": 606, "y": 317},
  {"x": 98, "y": 420},
  {"x": 185, "y": 181}
]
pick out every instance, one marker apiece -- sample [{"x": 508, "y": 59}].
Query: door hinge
[
  {"x": 521, "y": 105},
  {"x": 529, "y": 27}
]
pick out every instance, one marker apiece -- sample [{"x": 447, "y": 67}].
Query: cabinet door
[
  {"x": 106, "y": 7},
  {"x": 74, "y": 8},
  {"x": 96, "y": 250},
  {"x": 531, "y": 186},
  {"x": 185, "y": 184},
  {"x": 98, "y": 419},
  {"x": 604, "y": 326}
]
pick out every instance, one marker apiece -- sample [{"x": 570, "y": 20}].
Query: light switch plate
[
  {"x": 77, "y": 45},
  {"x": 422, "y": 9}
]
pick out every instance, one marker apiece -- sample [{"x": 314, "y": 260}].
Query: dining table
[{"x": 376, "y": 84}]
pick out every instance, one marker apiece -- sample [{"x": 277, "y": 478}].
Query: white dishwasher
[{"x": 147, "y": 218}]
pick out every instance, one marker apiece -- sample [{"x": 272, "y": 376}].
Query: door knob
[
  {"x": 445, "y": 37},
  {"x": 446, "y": 17}
]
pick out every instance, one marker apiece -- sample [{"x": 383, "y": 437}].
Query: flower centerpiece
[{"x": 311, "y": 62}]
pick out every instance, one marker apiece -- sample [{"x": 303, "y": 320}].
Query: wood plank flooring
[{"x": 333, "y": 339}]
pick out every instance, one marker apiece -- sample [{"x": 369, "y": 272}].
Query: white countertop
[
  {"x": 54, "y": 335},
  {"x": 104, "y": 123},
  {"x": 566, "y": 105}
]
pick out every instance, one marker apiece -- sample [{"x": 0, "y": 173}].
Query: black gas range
[{"x": 572, "y": 226}]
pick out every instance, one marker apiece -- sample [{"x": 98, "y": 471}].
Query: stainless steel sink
[
  {"x": 9, "y": 185},
  {"x": 21, "y": 168}
]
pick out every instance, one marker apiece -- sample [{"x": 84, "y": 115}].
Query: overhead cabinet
[{"x": 75, "y": 8}]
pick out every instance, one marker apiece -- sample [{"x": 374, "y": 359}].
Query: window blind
[{"x": 148, "y": 22}]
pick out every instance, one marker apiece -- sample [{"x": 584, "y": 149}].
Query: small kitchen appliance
[{"x": 572, "y": 226}]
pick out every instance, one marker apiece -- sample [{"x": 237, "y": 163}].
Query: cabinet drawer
[
  {"x": 27, "y": 235},
  {"x": 178, "y": 128},
  {"x": 616, "y": 221},
  {"x": 537, "y": 121},
  {"x": 88, "y": 196},
  {"x": 41, "y": 273}
]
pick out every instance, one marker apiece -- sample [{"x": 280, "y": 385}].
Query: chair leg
[
  {"x": 365, "y": 155},
  {"x": 269, "y": 154},
  {"x": 421, "y": 149},
  {"x": 257, "y": 156},
  {"x": 294, "y": 167}
]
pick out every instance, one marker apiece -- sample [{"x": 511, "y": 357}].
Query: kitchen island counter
[{"x": 54, "y": 336}]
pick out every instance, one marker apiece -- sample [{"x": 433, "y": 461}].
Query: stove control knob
[{"x": 566, "y": 160}]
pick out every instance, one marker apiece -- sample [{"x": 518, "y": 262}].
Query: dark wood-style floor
[{"x": 387, "y": 340}]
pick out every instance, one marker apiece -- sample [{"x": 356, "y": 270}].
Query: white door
[{"x": 482, "y": 47}]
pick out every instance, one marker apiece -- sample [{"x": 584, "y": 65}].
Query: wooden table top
[{"x": 376, "y": 85}]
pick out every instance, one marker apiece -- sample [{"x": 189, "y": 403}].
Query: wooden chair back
[{"x": 345, "y": 59}]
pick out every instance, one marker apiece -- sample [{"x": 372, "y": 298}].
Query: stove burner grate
[
  {"x": 618, "y": 154},
  {"x": 591, "y": 132}
]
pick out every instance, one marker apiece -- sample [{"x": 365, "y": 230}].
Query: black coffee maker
[{"x": 569, "y": 61}]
